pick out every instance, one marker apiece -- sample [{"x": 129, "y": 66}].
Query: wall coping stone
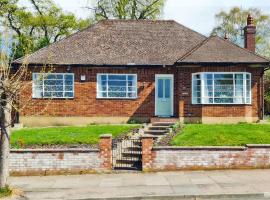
[
  {"x": 106, "y": 135},
  {"x": 207, "y": 148},
  {"x": 53, "y": 150},
  {"x": 258, "y": 145}
]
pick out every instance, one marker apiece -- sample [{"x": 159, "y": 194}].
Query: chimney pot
[{"x": 250, "y": 20}]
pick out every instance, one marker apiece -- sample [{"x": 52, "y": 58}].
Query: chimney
[{"x": 250, "y": 33}]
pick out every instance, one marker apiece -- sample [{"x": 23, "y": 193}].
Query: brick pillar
[
  {"x": 147, "y": 154},
  {"x": 105, "y": 148}
]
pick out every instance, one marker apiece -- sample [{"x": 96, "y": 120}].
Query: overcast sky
[{"x": 196, "y": 14}]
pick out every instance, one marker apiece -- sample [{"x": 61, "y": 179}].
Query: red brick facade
[{"x": 85, "y": 103}]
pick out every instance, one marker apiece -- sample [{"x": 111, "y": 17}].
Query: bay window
[
  {"x": 53, "y": 85},
  {"x": 116, "y": 86},
  {"x": 221, "y": 88}
]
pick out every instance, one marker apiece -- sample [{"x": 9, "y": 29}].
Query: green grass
[
  {"x": 65, "y": 135},
  {"x": 5, "y": 192},
  {"x": 223, "y": 135}
]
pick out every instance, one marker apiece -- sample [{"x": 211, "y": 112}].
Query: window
[
  {"x": 53, "y": 85},
  {"x": 221, "y": 88},
  {"x": 117, "y": 86}
]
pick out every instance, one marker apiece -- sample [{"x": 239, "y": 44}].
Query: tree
[
  {"x": 233, "y": 22},
  {"x": 10, "y": 83},
  {"x": 128, "y": 9},
  {"x": 35, "y": 28}
]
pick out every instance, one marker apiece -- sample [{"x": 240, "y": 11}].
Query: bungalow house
[{"x": 118, "y": 70}]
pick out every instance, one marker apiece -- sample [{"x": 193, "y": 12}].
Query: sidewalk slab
[{"x": 184, "y": 184}]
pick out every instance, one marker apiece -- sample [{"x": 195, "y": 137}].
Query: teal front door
[{"x": 164, "y": 95}]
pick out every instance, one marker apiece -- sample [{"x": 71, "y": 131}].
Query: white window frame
[
  {"x": 45, "y": 74},
  {"x": 202, "y": 87},
  {"x": 107, "y": 74}
]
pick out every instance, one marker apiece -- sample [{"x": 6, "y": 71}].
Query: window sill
[
  {"x": 54, "y": 98},
  {"x": 230, "y": 104},
  {"x": 111, "y": 98}
]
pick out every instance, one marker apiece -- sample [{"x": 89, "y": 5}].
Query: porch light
[{"x": 83, "y": 77}]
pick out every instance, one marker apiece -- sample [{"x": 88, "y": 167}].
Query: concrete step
[
  {"x": 134, "y": 148},
  {"x": 159, "y": 128},
  {"x": 132, "y": 155},
  {"x": 127, "y": 162},
  {"x": 156, "y": 132},
  {"x": 168, "y": 124},
  {"x": 164, "y": 119}
]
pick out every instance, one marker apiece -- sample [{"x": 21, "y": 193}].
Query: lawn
[
  {"x": 222, "y": 135},
  {"x": 65, "y": 135},
  {"x": 5, "y": 192}
]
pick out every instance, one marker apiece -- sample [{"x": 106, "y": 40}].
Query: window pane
[
  {"x": 132, "y": 95},
  {"x": 117, "y": 77},
  {"x": 37, "y": 93},
  {"x": 167, "y": 88},
  {"x": 102, "y": 94},
  {"x": 196, "y": 90},
  {"x": 160, "y": 88},
  {"x": 69, "y": 94},
  {"x": 53, "y": 94},
  {"x": 117, "y": 83},
  {"x": 117, "y": 94},
  {"x": 68, "y": 88},
  {"x": 103, "y": 77},
  {"x": 223, "y": 76},
  {"x": 116, "y": 89},
  {"x": 223, "y": 100},
  {"x": 132, "y": 89},
  {"x": 207, "y": 100}
]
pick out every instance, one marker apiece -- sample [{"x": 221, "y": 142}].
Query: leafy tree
[
  {"x": 128, "y": 9},
  {"x": 37, "y": 27}
]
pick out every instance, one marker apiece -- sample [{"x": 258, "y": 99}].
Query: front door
[{"x": 164, "y": 95}]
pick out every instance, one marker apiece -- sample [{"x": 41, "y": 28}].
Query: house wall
[{"x": 85, "y": 108}]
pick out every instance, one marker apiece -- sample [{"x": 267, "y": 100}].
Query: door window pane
[
  {"x": 160, "y": 88},
  {"x": 167, "y": 88}
]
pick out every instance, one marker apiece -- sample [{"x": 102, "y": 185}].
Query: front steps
[
  {"x": 128, "y": 155},
  {"x": 159, "y": 129}
]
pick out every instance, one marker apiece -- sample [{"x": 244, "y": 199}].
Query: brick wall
[
  {"x": 185, "y": 158},
  {"x": 85, "y": 103},
  {"x": 62, "y": 161}
]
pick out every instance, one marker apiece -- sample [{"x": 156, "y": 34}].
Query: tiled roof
[
  {"x": 140, "y": 42},
  {"x": 218, "y": 50}
]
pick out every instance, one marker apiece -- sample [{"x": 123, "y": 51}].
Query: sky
[{"x": 198, "y": 15}]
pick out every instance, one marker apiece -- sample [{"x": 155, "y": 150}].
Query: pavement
[{"x": 221, "y": 184}]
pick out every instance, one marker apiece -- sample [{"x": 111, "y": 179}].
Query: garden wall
[
  {"x": 62, "y": 161},
  {"x": 186, "y": 158}
]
